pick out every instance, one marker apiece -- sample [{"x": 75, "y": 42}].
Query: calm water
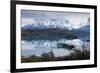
[{"x": 38, "y": 47}]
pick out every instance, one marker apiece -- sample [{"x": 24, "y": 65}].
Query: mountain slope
[{"x": 51, "y": 23}]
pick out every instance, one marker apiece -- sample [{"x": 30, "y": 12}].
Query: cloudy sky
[{"x": 74, "y": 18}]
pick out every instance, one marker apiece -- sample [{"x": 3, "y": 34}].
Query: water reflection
[{"x": 37, "y": 47}]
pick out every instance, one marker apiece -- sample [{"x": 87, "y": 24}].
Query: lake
[{"x": 38, "y": 47}]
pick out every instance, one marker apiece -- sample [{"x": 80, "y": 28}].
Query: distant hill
[
  {"x": 83, "y": 32},
  {"x": 49, "y": 34}
]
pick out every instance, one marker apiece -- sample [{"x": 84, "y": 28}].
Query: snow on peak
[
  {"x": 49, "y": 23},
  {"x": 53, "y": 23}
]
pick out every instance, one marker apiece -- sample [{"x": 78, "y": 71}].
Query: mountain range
[
  {"x": 53, "y": 28},
  {"x": 53, "y": 23}
]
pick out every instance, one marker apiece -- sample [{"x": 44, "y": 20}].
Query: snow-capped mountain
[
  {"x": 48, "y": 23},
  {"x": 55, "y": 23}
]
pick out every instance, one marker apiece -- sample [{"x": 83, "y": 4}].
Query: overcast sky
[{"x": 74, "y": 18}]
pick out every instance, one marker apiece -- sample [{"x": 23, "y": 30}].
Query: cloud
[
  {"x": 74, "y": 18},
  {"x": 27, "y": 21}
]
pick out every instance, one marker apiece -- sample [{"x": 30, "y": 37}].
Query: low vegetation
[{"x": 45, "y": 57}]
